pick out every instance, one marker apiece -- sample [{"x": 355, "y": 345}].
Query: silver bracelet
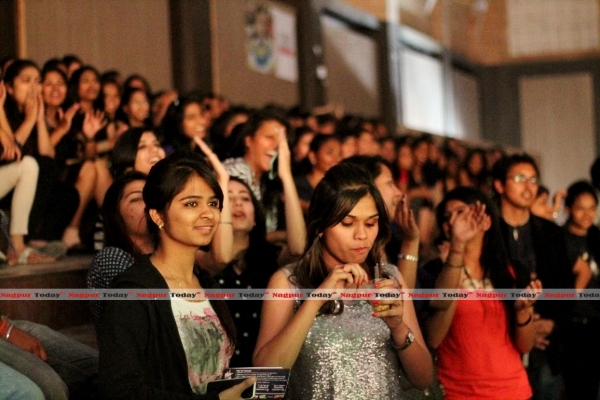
[
  {"x": 8, "y": 332},
  {"x": 408, "y": 257}
]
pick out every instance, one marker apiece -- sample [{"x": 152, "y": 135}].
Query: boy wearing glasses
[{"x": 539, "y": 246}]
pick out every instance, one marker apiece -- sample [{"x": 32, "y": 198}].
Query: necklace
[
  {"x": 483, "y": 284},
  {"x": 173, "y": 276}
]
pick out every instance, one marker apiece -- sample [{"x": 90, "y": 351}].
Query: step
[{"x": 68, "y": 273}]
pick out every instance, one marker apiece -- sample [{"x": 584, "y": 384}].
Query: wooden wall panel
[
  {"x": 233, "y": 78},
  {"x": 131, "y": 36}
]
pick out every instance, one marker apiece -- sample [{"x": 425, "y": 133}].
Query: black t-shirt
[
  {"x": 260, "y": 265},
  {"x": 519, "y": 243},
  {"x": 577, "y": 246}
]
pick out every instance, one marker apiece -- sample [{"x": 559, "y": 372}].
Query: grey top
[{"x": 346, "y": 356}]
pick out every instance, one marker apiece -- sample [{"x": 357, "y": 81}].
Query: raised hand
[
  {"x": 65, "y": 118},
  {"x": 284, "y": 167},
  {"x": 466, "y": 222},
  {"x": 31, "y": 106},
  {"x": 405, "y": 219},
  {"x": 92, "y": 123},
  {"x": 215, "y": 163}
]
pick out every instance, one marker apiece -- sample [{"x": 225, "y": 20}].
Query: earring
[
  {"x": 320, "y": 235},
  {"x": 160, "y": 227}
]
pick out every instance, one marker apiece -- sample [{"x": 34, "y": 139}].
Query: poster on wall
[
  {"x": 271, "y": 40},
  {"x": 286, "y": 54}
]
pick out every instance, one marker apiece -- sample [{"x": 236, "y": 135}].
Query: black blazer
[{"x": 141, "y": 355}]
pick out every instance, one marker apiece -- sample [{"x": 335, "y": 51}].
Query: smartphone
[
  {"x": 273, "y": 166},
  {"x": 223, "y": 384}
]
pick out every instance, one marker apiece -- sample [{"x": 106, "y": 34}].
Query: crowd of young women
[{"x": 194, "y": 193}]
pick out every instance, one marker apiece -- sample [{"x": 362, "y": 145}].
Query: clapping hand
[
  {"x": 92, "y": 123},
  {"x": 465, "y": 222},
  {"x": 405, "y": 219},
  {"x": 215, "y": 163},
  {"x": 65, "y": 118}
]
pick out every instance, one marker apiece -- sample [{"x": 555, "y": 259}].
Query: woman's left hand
[
  {"x": 405, "y": 219},
  {"x": 392, "y": 316},
  {"x": 284, "y": 166}
]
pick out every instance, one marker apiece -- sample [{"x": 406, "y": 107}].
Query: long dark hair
[
  {"x": 342, "y": 187},
  {"x": 494, "y": 257},
  {"x": 171, "y": 128},
  {"x": 14, "y": 115},
  {"x": 254, "y": 256},
  {"x": 166, "y": 179},
  {"x": 73, "y": 87},
  {"x": 115, "y": 233},
  {"x": 125, "y": 151},
  {"x": 253, "y": 125}
]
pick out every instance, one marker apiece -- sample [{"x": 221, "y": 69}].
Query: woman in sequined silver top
[{"x": 336, "y": 349}]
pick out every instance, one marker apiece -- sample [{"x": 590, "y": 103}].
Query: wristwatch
[{"x": 410, "y": 338}]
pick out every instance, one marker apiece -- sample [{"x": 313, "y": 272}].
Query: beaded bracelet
[
  {"x": 522, "y": 324},
  {"x": 408, "y": 257}
]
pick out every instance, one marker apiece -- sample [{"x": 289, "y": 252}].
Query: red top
[{"x": 477, "y": 359}]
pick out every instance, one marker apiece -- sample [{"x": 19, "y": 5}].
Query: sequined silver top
[{"x": 346, "y": 356}]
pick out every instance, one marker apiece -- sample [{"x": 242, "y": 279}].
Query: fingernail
[
  {"x": 374, "y": 315},
  {"x": 375, "y": 303},
  {"x": 377, "y": 284}
]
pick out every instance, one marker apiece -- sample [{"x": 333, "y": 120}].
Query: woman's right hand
[
  {"x": 344, "y": 276},
  {"x": 465, "y": 223},
  {"x": 31, "y": 105},
  {"x": 235, "y": 392}
]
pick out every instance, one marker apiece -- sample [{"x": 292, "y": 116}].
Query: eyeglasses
[{"x": 520, "y": 178}]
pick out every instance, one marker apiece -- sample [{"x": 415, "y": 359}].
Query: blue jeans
[
  {"x": 545, "y": 385},
  {"x": 16, "y": 386},
  {"x": 70, "y": 369}
]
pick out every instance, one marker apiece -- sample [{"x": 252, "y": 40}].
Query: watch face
[{"x": 410, "y": 337}]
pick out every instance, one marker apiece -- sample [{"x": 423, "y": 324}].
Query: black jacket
[
  {"x": 554, "y": 271},
  {"x": 141, "y": 355}
]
